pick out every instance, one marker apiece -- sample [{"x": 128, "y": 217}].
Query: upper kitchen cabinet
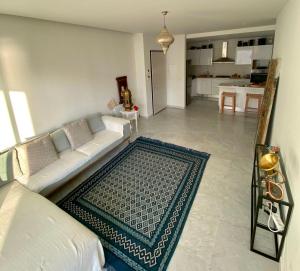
[
  {"x": 189, "y": 54},
  {"x": 244, "y": 55},
  {"x": 262, "y": 52},
  {"x": 206, "y": 56},
  {"x": 195, "y": 57},
  {"x": 200, "y": 56}
]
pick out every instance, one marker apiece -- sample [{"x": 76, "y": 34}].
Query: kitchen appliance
[
  {"x": 262, "y": 41},
  {"x": 259, "y": 72},
  {"x": 224, "y": 58},
  {"x": 251, "y": 42},
  {"x": 259, "y": 76}
]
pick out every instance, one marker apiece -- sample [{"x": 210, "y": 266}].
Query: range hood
[{"x": 224, "y": 58}]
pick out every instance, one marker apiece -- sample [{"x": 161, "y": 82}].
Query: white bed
[{"x": 36, "y": 235}]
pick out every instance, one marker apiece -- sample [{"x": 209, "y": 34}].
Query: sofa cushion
[
  {"x": 78, "y": 133},
  {"x": 95, "y": 123},
  {"x": 60, "y": 140},
  {"x": 9, "y": 165},
  {"x": 68, "y": 162},
  {"x": 36, "y": 154},
  {"x": 101, "y": 142}
]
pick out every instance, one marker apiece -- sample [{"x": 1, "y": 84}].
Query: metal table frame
[{"x": 257, "y": 196}]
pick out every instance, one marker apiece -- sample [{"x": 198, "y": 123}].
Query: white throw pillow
[
  {"x": 78, "y": 133},
  {"x": 36, "y": 154},
  {"x": 95, "y": 123}
]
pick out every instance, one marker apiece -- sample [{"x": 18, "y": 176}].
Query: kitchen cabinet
[
  {"x": 204, "y": 86},
  {"x": 244, "y": 55},
  {"x": 200, "y": 56},
  {"x": 206, "y": 56},
  {"x": 201, "y": 86},
  {"x": 189, "y": 54},
  {"x": 215, "y": 83},
  {"x": 209, "y": 86},
  {"x": 195, "y": 57},
  {"x": 263, "y": 52}
]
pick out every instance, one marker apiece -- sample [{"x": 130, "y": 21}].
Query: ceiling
[{"x": 186, "y": 16}]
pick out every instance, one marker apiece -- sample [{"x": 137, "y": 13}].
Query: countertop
[
  {"x": 218, "y": 77},
  {"x": 230, "y": 85}
]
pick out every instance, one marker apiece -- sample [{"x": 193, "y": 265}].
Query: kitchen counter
[
  {"x": 217, "y": 77},
  {"x": 241, "y": 91},
  {"x": 209, "y": 85},
  {"x": 232, "y": 85}
]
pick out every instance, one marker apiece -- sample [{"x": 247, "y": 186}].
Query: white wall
[
  {"x": 176, "y": 73},
  {"x": 140, "y": 92},
  {"x": 286, "y": 128},
  {"x": 66, "y": 71}
]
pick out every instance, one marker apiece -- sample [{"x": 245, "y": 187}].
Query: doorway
[{"x": 158, "y": 81}]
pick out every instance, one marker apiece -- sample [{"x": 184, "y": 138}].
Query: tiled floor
[{"x": 216, "y": 234}]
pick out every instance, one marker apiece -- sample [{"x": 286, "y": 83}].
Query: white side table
[{"x": 131, "y": 115}]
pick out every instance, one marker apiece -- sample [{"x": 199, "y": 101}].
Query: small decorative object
[
  {"x": 135, "y": 108},
  {"x": 269, "y": 164},
  {"x": 165, "y": 38},
  {"x": 273, "y": 189},
  {"x": 127, "y": 102},
  {"x": 122, "y": 83},
  {"x": 112, "y": 104}
]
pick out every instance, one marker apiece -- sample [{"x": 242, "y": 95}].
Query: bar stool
[
  {"x": 231, "y": 95},
  {"x": 257, "y": 97}
]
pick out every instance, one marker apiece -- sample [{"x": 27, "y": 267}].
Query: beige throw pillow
[
  {"x": 78, "y": 133},
  {"x": 36, "y": 154}
]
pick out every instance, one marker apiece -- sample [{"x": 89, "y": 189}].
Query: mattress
[{"x": 36, "y": 235}]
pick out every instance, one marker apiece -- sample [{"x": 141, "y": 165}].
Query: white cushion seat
[
  {"x": 55, "y": 173},
  {"x": 37, "y": 235},
  {"x": 103, "y": 142},
  {"x": 70, "y": 162}
]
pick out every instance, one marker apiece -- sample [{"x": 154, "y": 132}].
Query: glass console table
[{"x": 263, "y": 241}]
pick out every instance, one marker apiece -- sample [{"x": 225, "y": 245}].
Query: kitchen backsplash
[{"x": 221, "y": 69}]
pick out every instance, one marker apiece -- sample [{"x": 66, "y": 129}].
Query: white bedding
[{"x": 35, "y": 235}]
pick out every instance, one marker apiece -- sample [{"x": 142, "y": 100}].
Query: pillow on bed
[
  {"x": 95, "y": 123},
  {"x": 78, "y": 133},
  {"x": 36, "y": 154}
]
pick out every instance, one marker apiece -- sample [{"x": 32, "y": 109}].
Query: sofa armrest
[{"x": 117, "y": 125}]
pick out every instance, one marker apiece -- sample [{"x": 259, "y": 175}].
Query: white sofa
[
  {"x": 37, "y": 235},
  {"x": 71, "y": 162}
]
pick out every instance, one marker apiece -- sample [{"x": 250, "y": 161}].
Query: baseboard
[{"x": 175, "y": 107}]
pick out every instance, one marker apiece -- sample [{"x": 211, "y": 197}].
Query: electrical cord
[{"x": 271, "y": 215}]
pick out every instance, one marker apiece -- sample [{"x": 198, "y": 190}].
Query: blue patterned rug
[{"x": 138, "y": 202}]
